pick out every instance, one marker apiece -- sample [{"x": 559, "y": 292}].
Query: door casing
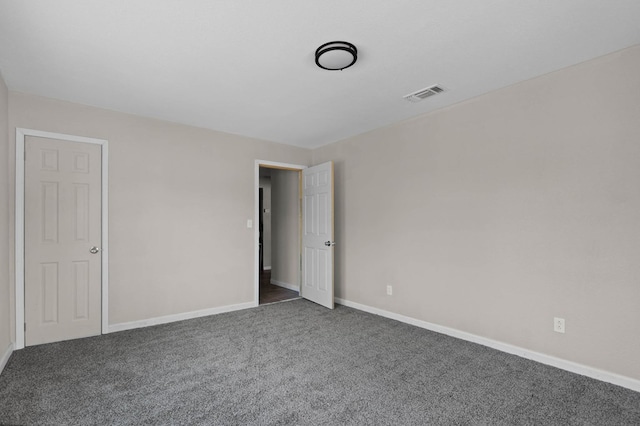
[{"x": 21, "y": 134}]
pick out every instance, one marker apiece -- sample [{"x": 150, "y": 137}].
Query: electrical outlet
[
  {"x": 558, "y": 325},
  {"x": 389, "y": 290}
]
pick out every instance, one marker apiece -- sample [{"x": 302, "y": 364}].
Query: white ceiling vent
[{"x": 424, "y": 93}]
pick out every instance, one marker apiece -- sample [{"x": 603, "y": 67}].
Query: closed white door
[
  {"x": 317, "y": 234},
  {"x": 62, "y": 240}
]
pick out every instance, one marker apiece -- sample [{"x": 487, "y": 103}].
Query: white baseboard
[
  {"x": 286, "y": 285},
  {"x": 178, "y": 317},
  {"x": 266, "y": 268},
  {"x": 594, "y": 373},
  {"x": 5, "y": 356}
]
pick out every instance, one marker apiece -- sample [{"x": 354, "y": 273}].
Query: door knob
[
  {"x": 329, "y": 243},
  {"x": 94, "y": 250}
]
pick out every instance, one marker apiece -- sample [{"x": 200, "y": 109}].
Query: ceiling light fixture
[{"x": 336, "y": 55}]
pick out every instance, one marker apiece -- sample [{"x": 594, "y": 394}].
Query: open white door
[{"x": 317, "y": 234}]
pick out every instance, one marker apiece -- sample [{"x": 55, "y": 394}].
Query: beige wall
[
  {"x": 285, "y": 225},
  {"x": 179, "y": 201},
  {"x": 5, "y": 307},
  {"x": 495, "y": 215}
]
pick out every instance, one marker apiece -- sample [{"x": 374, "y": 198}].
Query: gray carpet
[{"x": 300, "y": 364}]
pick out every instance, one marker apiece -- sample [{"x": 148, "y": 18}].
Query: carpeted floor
[{"x": 300, "y": 364}]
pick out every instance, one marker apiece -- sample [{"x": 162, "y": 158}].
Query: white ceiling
[{"x": 247, "y": 67}]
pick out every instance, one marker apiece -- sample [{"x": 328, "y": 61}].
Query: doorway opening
[{"x": 278, "y": 228}]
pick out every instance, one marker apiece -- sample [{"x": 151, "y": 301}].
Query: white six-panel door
[
  {"x": 317, "y": 234},
  {"x": 62, "y": 225}
]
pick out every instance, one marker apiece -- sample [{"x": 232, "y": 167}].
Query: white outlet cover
[{"x": 558, "y": 325}]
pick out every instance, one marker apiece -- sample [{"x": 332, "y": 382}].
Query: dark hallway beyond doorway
[{"x": 270, "y": 293}]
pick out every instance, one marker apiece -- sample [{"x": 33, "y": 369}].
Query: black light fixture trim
[{"x": 337, "y": 45}]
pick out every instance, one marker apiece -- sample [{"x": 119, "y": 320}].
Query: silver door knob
[
  {"x": 94, "y": 250},
  {"x": 329, "y": 243}
]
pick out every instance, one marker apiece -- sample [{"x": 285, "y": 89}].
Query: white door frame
[
  {"x": 256, "y": 218},
  {"x": 21, "y": 134}
]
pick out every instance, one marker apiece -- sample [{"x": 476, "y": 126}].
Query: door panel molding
[{"x": 21, "y": 134}]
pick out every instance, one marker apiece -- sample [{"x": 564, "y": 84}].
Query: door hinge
[{"x": 25, "y": 327}]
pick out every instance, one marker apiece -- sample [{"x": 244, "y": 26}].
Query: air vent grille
[{"x": 424, "y": 93}]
